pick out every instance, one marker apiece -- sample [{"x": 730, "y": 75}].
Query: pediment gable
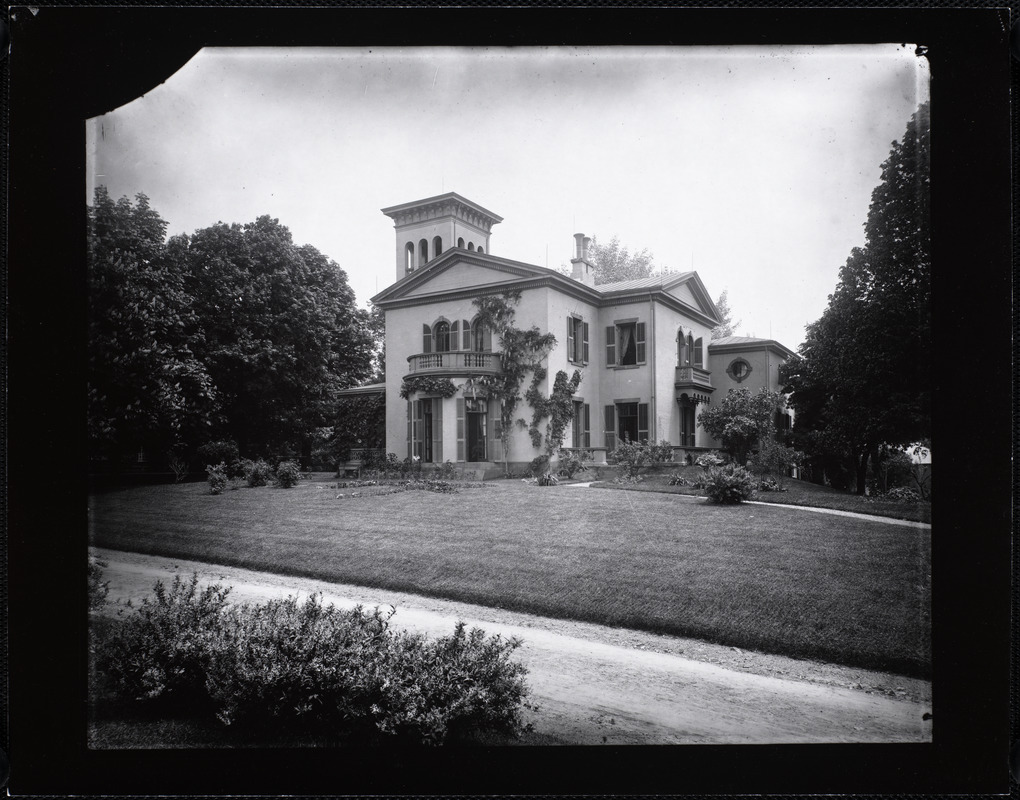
[
  {"x": 456, "y": 270},
  {"x": 688, "y": 289}
]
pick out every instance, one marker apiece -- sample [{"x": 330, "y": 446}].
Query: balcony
[
  {"x": 693, "y": 382},
  {"x": 462, "y": 362}
]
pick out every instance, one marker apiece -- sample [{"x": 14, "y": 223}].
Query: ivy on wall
[
  {"x": 558, "y": 407},
  {"x": 427, "y": 384}
]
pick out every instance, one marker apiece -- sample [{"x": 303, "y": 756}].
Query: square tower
[{"x": 427, "y": 228}]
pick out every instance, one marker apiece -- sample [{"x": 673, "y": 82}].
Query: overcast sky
[{"x": 756, "y": 165}]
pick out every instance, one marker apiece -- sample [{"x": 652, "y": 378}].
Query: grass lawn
[
  {"x": 767, "y": 578},
  {"x": 798, "y": 493}
]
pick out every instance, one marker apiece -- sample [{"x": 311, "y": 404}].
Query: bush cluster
[
  {"x": 729, "y": 484},
  {"x": 571, "y": 462},
  {"x": 288, "y": 474},
  {"x": 313, "y": 668},
  {"x": 430, "y": 485},
  {"x": 902, "y": 494},
  {"x": 709, "y": 460},
  {"x": 217, "y": 477},
  {"x": 632, "y": 456},
  {"x": 676, "y": 479},
  {"x": 256, "y": 473}
]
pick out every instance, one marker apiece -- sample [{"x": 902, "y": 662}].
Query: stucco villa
[{"x": 643, "y": 347}]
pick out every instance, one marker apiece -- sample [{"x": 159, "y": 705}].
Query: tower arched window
[
  {"x": 480, "y": 250},
  {"x": 441, "y": 337},
  {"x": 437, "y": 246},
  {"x": 471, "y": 245},
  {"x": 409, "y": 258},
  {"x": 423, "y": 252},
  {"x": 460, "y": 243}
]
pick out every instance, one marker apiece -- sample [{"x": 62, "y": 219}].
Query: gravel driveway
[{"x": 599, "y": 685}]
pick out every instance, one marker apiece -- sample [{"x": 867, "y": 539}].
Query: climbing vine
[
  {"x": 427, "y": 384},
  {"x": 558, "y": 407},
  {"x": 521, "y": 351}
]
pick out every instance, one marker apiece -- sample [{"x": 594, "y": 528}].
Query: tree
[
  {"x": 727, "y": 326},
  {"x": 863, "y": 375},
  {"x": 742, "y": 420},
  {"x": 147, "y": 385},
  {"x": 521, "y": 351},
  {"x": 613, "y": 262},
  {"x": 377, "y": 325},
  {"x": 282, "y": 331}
]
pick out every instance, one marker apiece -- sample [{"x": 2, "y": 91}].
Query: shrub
[
  {"x": 430, "y": 485},
  {"x": 676, "y": 479},
  {"x": 217, "y": 477},
  {"x": 774, "y": 460},
  {"x": 178, "y": 464},
  {"x": 661, "y": 453},
  {"x": 256, "y": 473},
  {"x": 446, "y": 470},
  {"x": 709, "y": 461},
  {"x": 770, "y": 485},
  {"x": 548, "y": 479},
  {"x": 288, "y": 474},
  {"x": 315, "y": 668},
  {"x": 902, "y": 494},
  {"x": 571, "y": 462},
  {"x": 539, "y": 465},
  {"x": 632, "y": 456},
  {"x": 163, "y": 650},
  {"x": 219, "y": 452},
  {"x": 729, "y": 484},
  {"x": 98, "y": 588}
]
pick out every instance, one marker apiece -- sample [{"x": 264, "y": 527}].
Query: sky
[{"x": 753, "y": 165}]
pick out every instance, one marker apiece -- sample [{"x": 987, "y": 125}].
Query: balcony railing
[
  {"x": 693, "y": 376},
  {"x": 464, "y": 361}
]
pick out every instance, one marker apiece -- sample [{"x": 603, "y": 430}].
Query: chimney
[{"x": 582, "y": 271}]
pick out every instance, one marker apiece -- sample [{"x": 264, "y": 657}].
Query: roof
[
  {"x": 389, "y": 211},
  {"x": 368, "y": 388},
  {"x": 748, "y": 343},
  {"x": 654, "y": 282}
]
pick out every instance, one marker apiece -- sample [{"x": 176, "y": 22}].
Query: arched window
[
  {"x": 480, "y": 250},
  {"x": 409, "y": 258},
  {"x": 441, "y": 336},
  {"x": 699, "y": 359},
  {"x": 480, "y": 339},
  {"x": 471, "y": 245},
  {"x": 683, "y": 356},
  {"x": 437, "y": 246},
  {"x": 423, "y": 253},
  {"x": 460, "y": 243},
  {"x": 466, "y": 335}
]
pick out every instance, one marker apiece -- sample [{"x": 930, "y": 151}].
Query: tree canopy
[
  {"x": 251, "y": 335},
  {"x": 727, "y": 326},
  {"x": 862, "y": 378},
  {"x": 613, "y": 262},
  {"x": 742, "y": 420}
]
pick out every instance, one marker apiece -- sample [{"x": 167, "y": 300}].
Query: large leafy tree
[
  {"x": 147, "y": 385},
  {"x": 743, "y": 420},
  {"x": 727, "y": 326},
  {"x": 282, "y": 331},
  {"x": 862, "y": 378},
  {"x": 613, "y": 262}
]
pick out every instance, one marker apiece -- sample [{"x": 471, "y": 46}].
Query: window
[
  {"x": 698, "y": 358},
  {"x": 437, "y": 246},
  {"x": 738, "y": 369},
  {"x": 425, "y": 429},
  {"x": 409, "y": 258},
  {"x": 626, "y": 422},
  {"x": 426, "y": 339},
  {"x": 442, "y": 337},
  {"x": 577, "y": 340},
  {"x": 625, "y": 344},
  {"x": 423, "y": 252},
  {"x": 481, "y": 341},
  {"x": 480, "y": 250},
  {"x": 687, "y": 421},
  {"x": 460, "y": 243},
  {"x": 582, "y": 424}
]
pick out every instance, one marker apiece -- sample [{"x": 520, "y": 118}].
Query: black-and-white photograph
[{"x": 456, "y": 396}]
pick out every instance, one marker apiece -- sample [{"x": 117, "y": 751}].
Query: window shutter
[
  {"x": 610, "y": 347},
  {"x": 437, "y": 430},
  {"x": 587, "y": 423},
  {"x": 584, "y": 340},
  {"x": 465, "y": 328},
  {"x": 698, "y": 359},
  {"x": 460, "y": 429},
  {"x": 426, "y": 339},
  {"x": 486, "y": 339},
  {"x": 639, "y": 337},
  {"x": 642, "y": 422},
  {"x": 610, "y": 431},
  {"x": 410, "y": 452},
  {"x": 416, "y": 428},
  {"x": 570, "y": 339},
  {"x": 497, "y": 431},
  {"x": 455, "y": 335}
]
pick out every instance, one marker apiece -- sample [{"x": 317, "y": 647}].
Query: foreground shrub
[
  {"x": 632, "y": 456},
  {"x": 163, "y": 650},
  {"x": 217, "y": 477},
  {"x": 709, "y": 460},
  {"x": 571, "y": 462},
  {"x": 256, "y": 473},
  {"x": 676, "y": 479},
  {"x": 661, "y": 453},
  {"x": 317, "y": 669},
  {"x": 729, "y": 484},
  {"x": 902, "y": 494},
  {"x": 98, "y": 588},
  {"x": 288, "y": 474}
]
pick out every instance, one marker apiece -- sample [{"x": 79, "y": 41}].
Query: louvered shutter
[
  {"x": 460, "y": 429},
  {"x": 455, "y": 335},
  {"x": 410, "y": 452},
  {"x": 570, "y": 339},
  {"x": 587, "y": 424},
  {"x": 584, "y": 343},
  {"x": 416, "y": 428},
  {"x": 497, "y": 431},
  {"x": 465, "y": 328},
  {"x": 639, "y": 337},
  {"x": 699, "y": 360},
  {"x": 642, "y": 422},
  {"x": 610, "y": 431},
  {"x": 426, "y": 339},
  {"x": 610, "y": 345}
]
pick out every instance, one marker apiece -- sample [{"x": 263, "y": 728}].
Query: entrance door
[
  {"x": 426, "y": 435},
  {"x": 627, "y": 417},
  {"x": 476, "y": 423}
]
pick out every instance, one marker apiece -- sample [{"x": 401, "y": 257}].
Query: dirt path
[{"x": 598, "y": 685}]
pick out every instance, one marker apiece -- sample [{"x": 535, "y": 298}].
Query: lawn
[
  {"x": 760, "y": 577},
  {"x": 798, "y": 493}
]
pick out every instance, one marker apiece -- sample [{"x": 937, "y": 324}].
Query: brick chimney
[{"x": 582, "y": 270}]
